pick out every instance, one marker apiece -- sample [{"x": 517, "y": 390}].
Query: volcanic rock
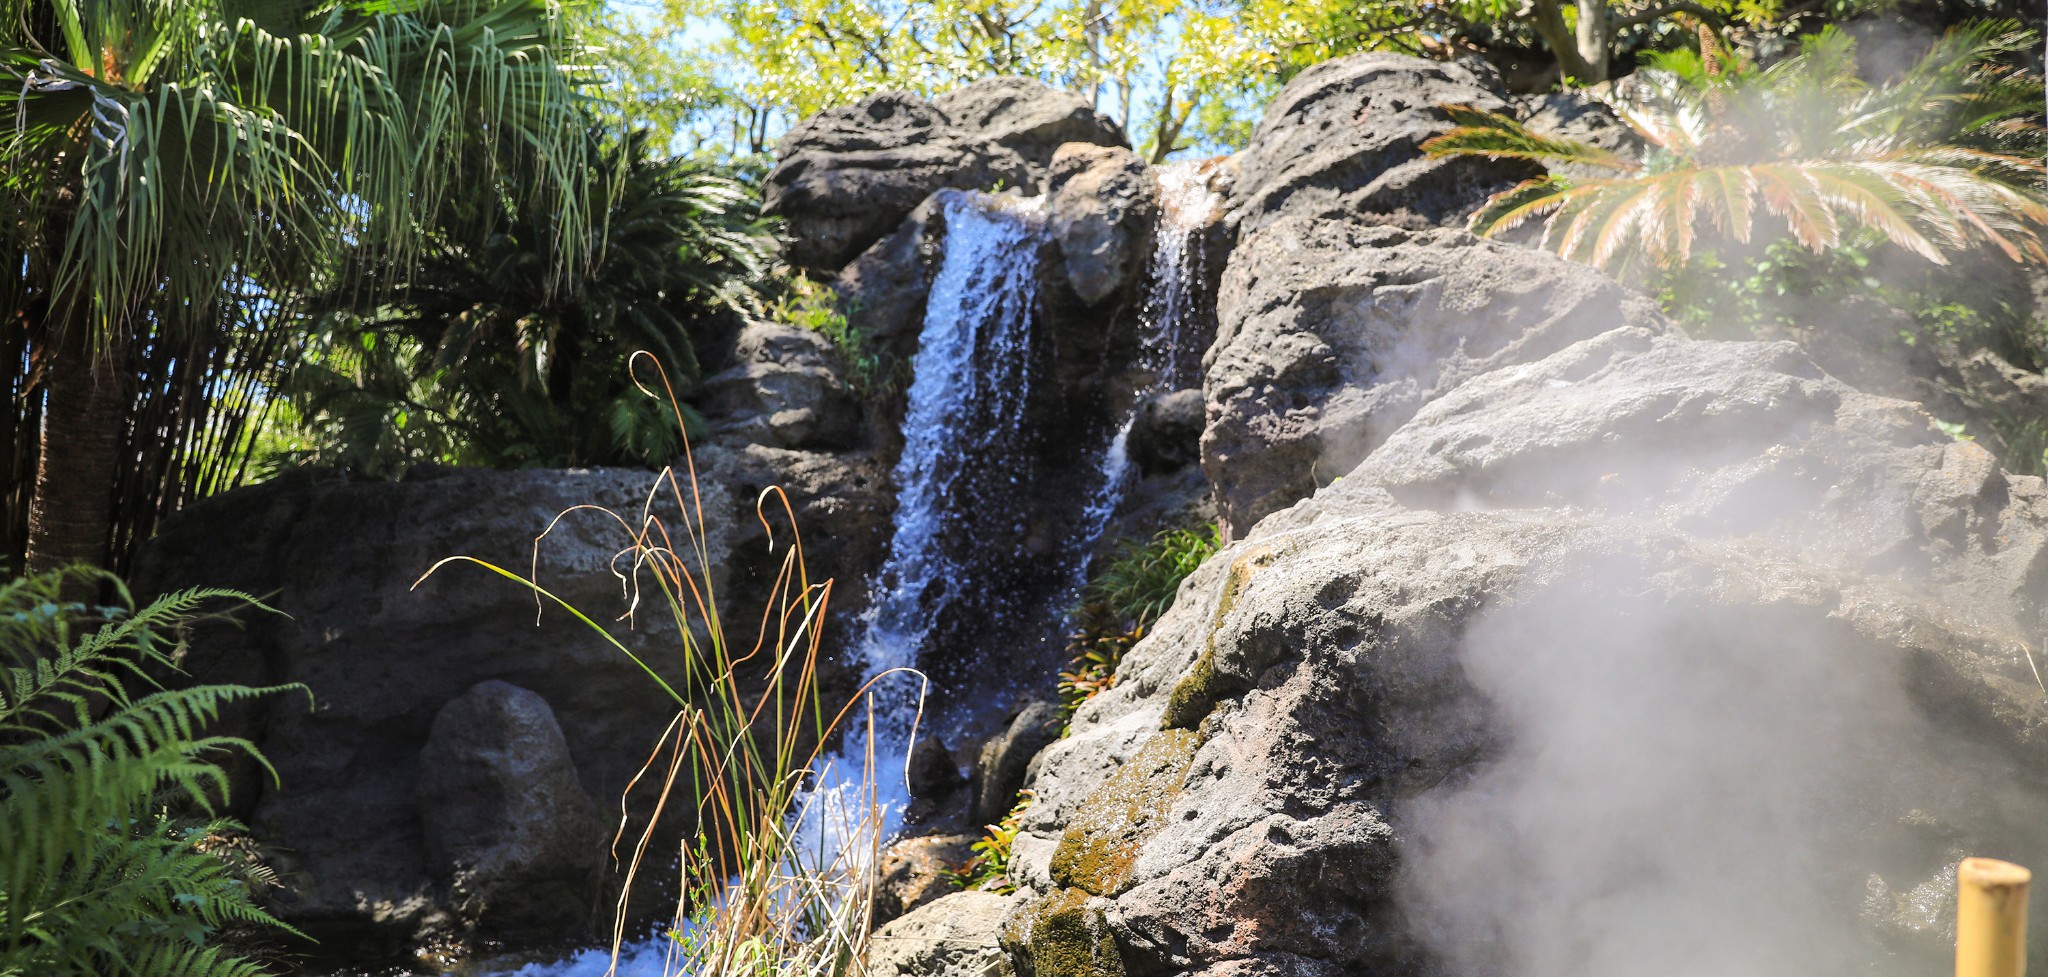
[{"x": 507, "y": 825}]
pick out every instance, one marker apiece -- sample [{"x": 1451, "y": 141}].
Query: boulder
[
  {"x": 1344, "y": 137},
  {"x": 1004, "y": 758},
  {"x": 1029, "y": 117},
  {"x": 953, "y": 937},
  {"x": 1103, "y": 201},
  {"x": 848, "y": 176},
  {"x": 1333, "y": 333},
  {"x": 1166, "y": 435},
  {"x": 1602, "y": 656},
  {"x": 786, "y": 388},
  {"x": 506, "y": 822},
  {"x": 915, "y": 871},
  {"x": 1579, "y": 115}
]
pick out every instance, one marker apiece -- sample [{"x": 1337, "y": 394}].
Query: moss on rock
[
  {"x": 1197, "y": 692},
  {"x": 1063, "y": 935},
  {"x": 1098, "y": 854}
]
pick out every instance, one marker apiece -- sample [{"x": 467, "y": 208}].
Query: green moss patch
[
  {"x": 1195, "y": 696},
  {"x": 1099, "y": 851},
  {"x": 1061, "y": 935}
]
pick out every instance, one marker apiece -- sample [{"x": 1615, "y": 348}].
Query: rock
[
  {"x": 1687, "y": 630},
  {"x": 506, "y": 823},
  {"x": 786, "y": 389},
  {"x": 383, "y": 658},
  {"x": 1332, "y": 334},
  {"x": 884, "y": 290},
  {"x": 850, "y": 175},
  {"x": 1030, "y": 117},
  {"x": 915, "y": 871},
  {"x": 952, "y": 937},
  {"x": 1000, "y": 773},
  {"x": 1581, "y": 116},
  {"x": 1103, "y": 203},
  {"x": 1167, "y": 433},
  {"x": 1344, "y": 137}
]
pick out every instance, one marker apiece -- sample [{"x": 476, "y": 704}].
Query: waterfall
[
  {"x": 1178, "y": 267},
  {"x": 970, "y": 379}
]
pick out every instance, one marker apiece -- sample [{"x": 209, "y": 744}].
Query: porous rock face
[
  {"x": 1103, "y": 201},
  {"x": 1344, "y": 138},
  {"x": 352, "y": 817},
  {"x": 507, "y": 825},
  {"x": 1333, "y": 332},
  {"x": 952, "y": 937},
  {"x": 848, "y": 176},
  {"x": 1589, "y": 630}
]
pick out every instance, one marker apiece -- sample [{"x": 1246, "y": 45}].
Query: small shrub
[
  {"x": 871, "y": 373},
  {"x": 101, "y": 871},
  {"x": 989, "y": 869},
  {"x": 1122, "y": 601}
]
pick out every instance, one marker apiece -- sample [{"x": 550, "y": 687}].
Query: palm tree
[
  {"x": 486, "y": 365},
  {"x": 172, "y": 165},
  {"x": 1941, "y": 158}
]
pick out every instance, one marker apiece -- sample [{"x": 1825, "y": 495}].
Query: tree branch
[{"x": 1666, "y": 10}]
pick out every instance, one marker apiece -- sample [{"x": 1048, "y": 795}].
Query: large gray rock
[
  {"x": 848, "y": 176},
  {"x": 1344, "y": 138},
  {"x": 1642, "y": 636},
  {"x": 384, "y": 657},
  {"x": 786, "y": 388},
  {"x": 1103, "y": 202},
  {"x": 953, "y": 937},
  {"x": 1333, "y": 333},
  {"x": 1028, "y": 116},
  {"x": 506, "y": 822}
]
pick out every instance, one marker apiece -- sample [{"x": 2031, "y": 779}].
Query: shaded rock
[
  {"x": 506, "y": 822},
  {"x": 915, "y": 871},
  {"x": 849, "y": 175},
  {"x": 953, "y": 937},
  {"x": 786, "y": 389},
  {"x": 1103, "y": 203},
  {"x": 1030, "y": 117},
  {"x": 884, "y": 290},
  {"x": 383, "y": 658},
  {"x": 1632, "y": 616},
  {"x": 1344, "y": 137},
  {"x": 1167, "y": 433},
  {"x": 1000, "y": 773},
  {"x": 1332, "y": 334}
]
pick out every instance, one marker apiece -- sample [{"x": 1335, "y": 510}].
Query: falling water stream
[{"x": 1170, "y": 355}]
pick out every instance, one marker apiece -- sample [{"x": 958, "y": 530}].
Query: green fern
[{"x": 99, "y": 875}]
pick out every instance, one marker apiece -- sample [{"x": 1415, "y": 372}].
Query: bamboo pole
[{"x": 1991, "y": 918}]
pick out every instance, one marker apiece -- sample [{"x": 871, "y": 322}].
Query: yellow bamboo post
[{"x": 1991, "y": 918}]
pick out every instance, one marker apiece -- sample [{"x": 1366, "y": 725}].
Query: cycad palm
[
  {"x": 1940, "y": 159},
  {"x": 164, "y": 158}
]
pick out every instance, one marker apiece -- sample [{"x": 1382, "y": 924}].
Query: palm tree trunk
[{"x": 70, "y": 516}]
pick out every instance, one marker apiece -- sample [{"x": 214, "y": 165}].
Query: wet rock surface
[{"x": 1104, "y": 202}]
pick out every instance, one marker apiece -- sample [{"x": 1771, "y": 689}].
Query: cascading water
[
  {"x": 971, "y": 376},
  {"x": 1187, "y": 206}
]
